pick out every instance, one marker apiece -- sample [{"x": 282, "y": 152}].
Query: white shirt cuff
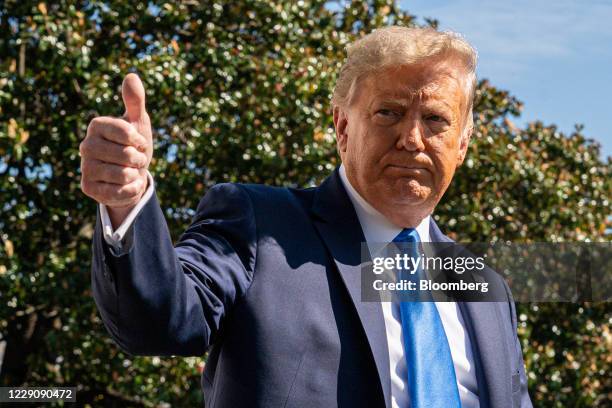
[{"x": 115, "y": 238}]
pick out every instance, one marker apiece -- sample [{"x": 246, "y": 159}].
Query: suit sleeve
[
  {"x": 524, "y": 401},
  {"x": 157, "y": 299}
]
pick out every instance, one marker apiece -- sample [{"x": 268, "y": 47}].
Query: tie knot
[{"x": 407, "y": 235}]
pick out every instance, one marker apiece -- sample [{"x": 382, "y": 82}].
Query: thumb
[{"x": 133, "y": 95}]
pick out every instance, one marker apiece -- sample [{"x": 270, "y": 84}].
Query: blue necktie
[{"x": 431, "y": 375}]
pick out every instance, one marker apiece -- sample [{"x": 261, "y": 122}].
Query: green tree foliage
[{"x": 240, "y": 92}]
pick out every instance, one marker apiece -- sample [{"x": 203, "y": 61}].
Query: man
[{"x": 268, "y": 279}]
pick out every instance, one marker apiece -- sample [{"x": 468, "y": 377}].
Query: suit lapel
[
  {"x": 339, "y": 228},
  {"x": 489, "y": 345},
  {"x": 492, "y": 348}
]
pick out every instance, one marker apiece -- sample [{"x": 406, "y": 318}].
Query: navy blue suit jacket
[{"x": 268, "y": 281}]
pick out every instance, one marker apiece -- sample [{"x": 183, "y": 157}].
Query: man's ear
[
  {"x": 465, "y": 140},
  {"x": 341, "y": 123}
]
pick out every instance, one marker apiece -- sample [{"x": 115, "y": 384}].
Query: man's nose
[{"x": 411, "y": 137}]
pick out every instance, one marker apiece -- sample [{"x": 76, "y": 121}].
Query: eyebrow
[
  {"x": 405, "y": 101},
  {"x": 443, "y": 102}
]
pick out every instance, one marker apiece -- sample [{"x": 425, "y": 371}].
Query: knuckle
[
  {"x": 84, "y": 147},
  {"x": 136, "y": 138},
  {"x": 108, "y": 192},
  {"x": 133, "y": 156},
  {"x": 123, "y": 133},
  {"x": 86, "y": 187},
  {"x": 132, "y": 189},
  {"x": 94, "y": 122},
  {"x": 126, "y": 175},
  {"x": 126, "y": 191},
  {"x": 93, "y": 125},
  {"x": 84, "y": 169},
  {"x": 126, "y": 135},
  {"x": 90, "y": 148},
  {"x": 127, "y": 153},
  {"x": 118, "y": 192}
]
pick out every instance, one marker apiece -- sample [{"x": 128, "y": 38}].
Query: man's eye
[
  {"x": 436, "y": 118},
  {"x": 387, "y": 112}
]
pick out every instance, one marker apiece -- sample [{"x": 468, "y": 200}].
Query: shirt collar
[{"x": 376, "y": 227}]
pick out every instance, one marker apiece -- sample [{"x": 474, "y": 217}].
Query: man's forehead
[
  {"x": 430, "y": 91},
  {"x": 413, "y": 84},
  {"x": 425, "y": 81}
]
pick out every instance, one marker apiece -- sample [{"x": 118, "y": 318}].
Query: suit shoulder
[
  {"x": 221, "y": 195},
  {"x": 242, "y": 191},
  {"x": 262, "y": 199},
  {"x": 262, "y": 194}
]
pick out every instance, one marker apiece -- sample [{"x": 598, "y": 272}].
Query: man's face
[{"x": 401, "y": 139}]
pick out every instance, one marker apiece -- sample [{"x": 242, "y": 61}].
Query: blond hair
[{"x": 395, "y": 46}]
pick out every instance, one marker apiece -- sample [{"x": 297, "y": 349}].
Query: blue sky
[{"x": 555, "y": 56}]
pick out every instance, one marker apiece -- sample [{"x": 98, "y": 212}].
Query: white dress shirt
[
  {"x": 115, "y": 238},
  {"x": 377, "y": 229}
]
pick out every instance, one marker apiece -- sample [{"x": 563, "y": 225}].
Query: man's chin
[
  {"x": 407, "y": 210},
  {"x": 401, "y": 195},
  {"x": 411, "y": 192}
]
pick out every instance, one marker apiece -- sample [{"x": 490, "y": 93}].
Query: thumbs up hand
[{"x": 116, "y": 153}]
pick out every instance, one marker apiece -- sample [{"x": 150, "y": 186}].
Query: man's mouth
[{"x": 410, "y": 169}]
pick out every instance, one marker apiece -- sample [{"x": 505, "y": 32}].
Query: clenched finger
[
  {"x": 111, "y": 173},
  {"x": 111, "y": 152},
  {"x": 116, "y": 130},
  {"x": 115, "y": 194}
]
